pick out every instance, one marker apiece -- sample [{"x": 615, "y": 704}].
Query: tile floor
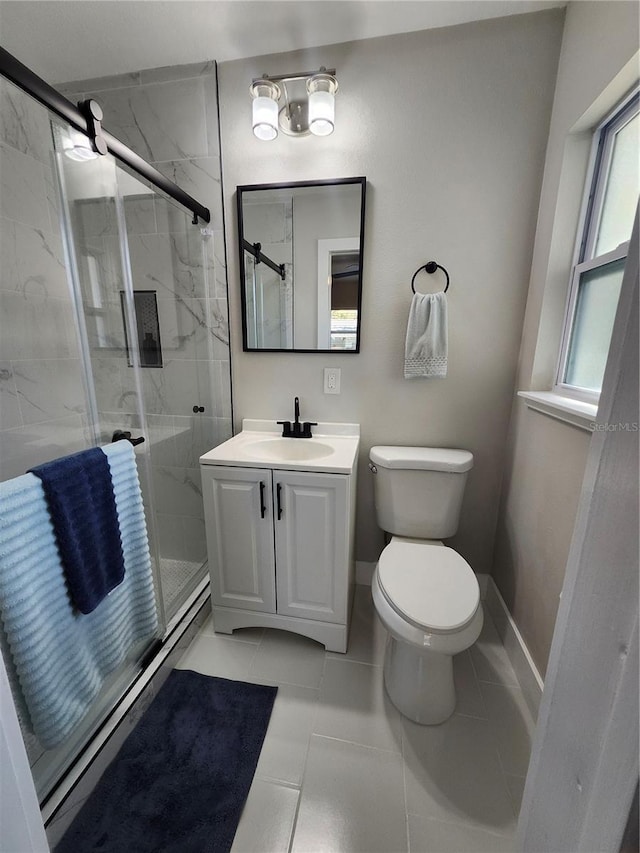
[{"x": 342, "y": 771}]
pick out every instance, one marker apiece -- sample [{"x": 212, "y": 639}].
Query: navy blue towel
[{"x": 83, "y": 510}]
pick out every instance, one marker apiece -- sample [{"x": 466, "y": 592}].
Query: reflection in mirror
[{"x": 301, "y": 265}]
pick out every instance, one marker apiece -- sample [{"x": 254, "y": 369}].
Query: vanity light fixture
[{"x": 309, "y": 103}]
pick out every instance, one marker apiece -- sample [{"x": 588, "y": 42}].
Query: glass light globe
[
  {"x": 322, "y": 109},
  {"x": 265, "y": 118},
  {"x": 321, "y": 89}
]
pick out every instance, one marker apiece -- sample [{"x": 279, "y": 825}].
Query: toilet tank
[{"x": 419, "y": 490}]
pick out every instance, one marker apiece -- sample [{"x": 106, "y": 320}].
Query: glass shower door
[
  {"x": 88, "y": 201},
  {"x": 155, "y": 341},
  {"x": 171, "y": 266},
  {"x": 108, "y": 323},
  {"x": 268, "y": 306}
]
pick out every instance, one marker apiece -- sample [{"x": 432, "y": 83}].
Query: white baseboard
[
  {"x": 526, "y": 671},
  {"x": 483, "y": 580}
]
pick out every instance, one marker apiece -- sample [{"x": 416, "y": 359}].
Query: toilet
[{"x": 426, "y": 594}]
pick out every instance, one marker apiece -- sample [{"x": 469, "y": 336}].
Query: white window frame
[{"x": 591, "y": 211}]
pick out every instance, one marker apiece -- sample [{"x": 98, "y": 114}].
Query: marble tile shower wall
[
  {"x": 42, "y": 400},
  {"x": 169, "y": 117},
  {"x": 271, "y": 224}
]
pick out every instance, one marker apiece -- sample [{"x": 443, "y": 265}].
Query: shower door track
[
  {"x": 29, "y": 82},
  {"x": 95, "y": 750}
]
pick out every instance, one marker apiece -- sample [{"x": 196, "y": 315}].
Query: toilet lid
[{"x": 430, "y": 585}]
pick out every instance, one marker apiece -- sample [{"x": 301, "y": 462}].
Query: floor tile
[
  {"x": 215, "y": 656},
  {"x": 427, "y": 835},
  {"x": 267, "y": 819},
  {"x": 286, "y": 658},
  {"x": 284, "y": 752},
  {"x": 335, "y": 735},
  {"x": 468, "y": 697},
  {"x": 453, "y": 773},
  {"x": 367, "y": 637},
  {"x": 489, "y": 657},
  {"x": 352, "y": 800},
  {"x": 354, "y": 706},
  {"x": 245, "y": 635},
  {"x": 511, "y": 725}
]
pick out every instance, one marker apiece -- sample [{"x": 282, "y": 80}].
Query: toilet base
[{"x": 419, "y": 682}]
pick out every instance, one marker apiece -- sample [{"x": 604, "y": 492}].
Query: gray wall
[
  {"x": 450, "y": 128},
  {"x": 546, "y": 458}
]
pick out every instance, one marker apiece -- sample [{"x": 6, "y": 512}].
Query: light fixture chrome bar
[
  {"x": 302, "y": 75},
  {"x": 308, "y": 109}
]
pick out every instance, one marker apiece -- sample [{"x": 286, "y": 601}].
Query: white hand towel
[{"x": 426, "y": 345}]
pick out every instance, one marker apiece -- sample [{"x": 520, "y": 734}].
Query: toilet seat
[{"x": 429, "y": 585}]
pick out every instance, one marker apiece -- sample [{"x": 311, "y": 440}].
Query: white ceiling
[{"x": 64, "y": 40}]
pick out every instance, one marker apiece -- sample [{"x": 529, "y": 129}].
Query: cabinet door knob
[
  {"x": 263, "y": 509},
  {"x": 279, "y": 500}
]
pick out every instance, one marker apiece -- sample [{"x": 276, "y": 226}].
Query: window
[{"x": 611, "y": 197}]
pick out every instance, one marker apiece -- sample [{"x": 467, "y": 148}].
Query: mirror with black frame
[{"x": 301, "y": 249}]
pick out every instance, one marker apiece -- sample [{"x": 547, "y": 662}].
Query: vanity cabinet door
[
  {"x": 239, "y": 525},
  {"x": 312, "y": 550}
]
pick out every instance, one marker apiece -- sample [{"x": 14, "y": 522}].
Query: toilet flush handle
[{"x": 373, "y": 468}]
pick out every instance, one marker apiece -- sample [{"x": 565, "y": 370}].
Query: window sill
[{"x": 574, "y": 412}]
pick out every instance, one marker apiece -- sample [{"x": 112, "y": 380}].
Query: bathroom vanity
[{"x": 280, "y": 517}]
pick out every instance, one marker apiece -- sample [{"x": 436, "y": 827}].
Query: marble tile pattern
[
  {"x": 341, "y": 770},
  {"x": 42, "y": 399},
  {"x": 169, "y": 117}
]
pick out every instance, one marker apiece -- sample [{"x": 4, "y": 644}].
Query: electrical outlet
[{"x": 332, "y": 380}]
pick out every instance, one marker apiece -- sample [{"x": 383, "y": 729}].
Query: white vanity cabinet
[
  {"x": 238, "y": 511},
  {"x": 280, "y": 545},
  {"x": 312, "y": 544}
]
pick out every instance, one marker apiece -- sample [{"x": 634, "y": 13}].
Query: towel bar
[
  {"x": 430, "y": 267},
  {"x": 125, "y": 435}
]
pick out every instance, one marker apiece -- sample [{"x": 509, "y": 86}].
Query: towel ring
[{"x": 430, "y": 267}]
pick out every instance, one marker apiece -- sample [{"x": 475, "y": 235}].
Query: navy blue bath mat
[{"x": 180, "y": 780}]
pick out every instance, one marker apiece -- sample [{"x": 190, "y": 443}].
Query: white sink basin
[
  {"x": 333, "y": 448},
  {"x": 288, "y": 449}
]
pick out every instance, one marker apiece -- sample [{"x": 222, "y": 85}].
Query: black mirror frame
[{"x": 240, "y": 190}]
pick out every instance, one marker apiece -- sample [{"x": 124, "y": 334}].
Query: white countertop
[{"x": 260, "y": 445}]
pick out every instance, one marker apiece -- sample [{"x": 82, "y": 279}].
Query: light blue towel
[{"x": 61, "y": 657}]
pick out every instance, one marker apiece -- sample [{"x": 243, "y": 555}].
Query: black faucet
[{"x": 296, "y": 429}]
